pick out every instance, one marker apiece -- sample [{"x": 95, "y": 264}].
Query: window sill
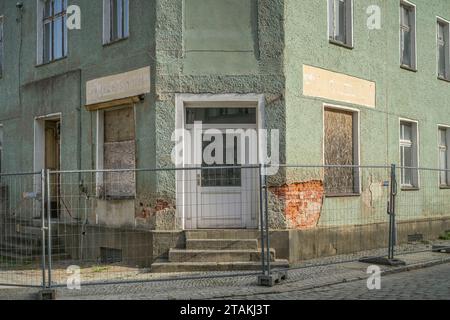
[
  {"x": 444, "y": 187},
  {"x": 408, "y": 68},
  {"x": 50, "y": 62},
  {"x": 342, "y": 195},
  {"x": 341, "y": 44},
  {"x": 407, "y": 188},
  {"x": 110, "y": 43},
  {"x": 443, "y": 79}
]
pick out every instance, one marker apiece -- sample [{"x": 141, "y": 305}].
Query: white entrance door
[{"x": 226, "y": 196}]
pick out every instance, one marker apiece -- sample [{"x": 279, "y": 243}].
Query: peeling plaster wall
[
  {"x": 399, "y": 93},
  {"x": 175, "y": 75}
]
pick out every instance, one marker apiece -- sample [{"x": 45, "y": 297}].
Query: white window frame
[
  {"x": 413, "y": 66},
  {"x": 414, "y": 144},
  {"x": 442, "y": 21},
  {"x": 100, "y": 144},
  {"x": 107, "y": 36},
  {"x": 2, "y": 142},
  {"x": 40, "y": 5},
  {"x": 356, "y": 139},
  {"x": 2, "y": 44},
  {"x": 447, "y": 149},
  {"x": 348, "y": 27}
]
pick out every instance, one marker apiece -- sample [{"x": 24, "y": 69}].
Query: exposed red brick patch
[
  {"x": 302, "y": 203},
  {"x": 161, "y": 205}
]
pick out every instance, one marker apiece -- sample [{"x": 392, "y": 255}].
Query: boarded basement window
[
  {"x": 119, "y": 153},
  {"x": 341, "y": 150}
]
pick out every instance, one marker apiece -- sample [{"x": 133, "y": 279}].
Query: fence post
[
  {"x": 392, "y": 229},
  {"x": 43, "y": 228},
  {"x": 261, "y": 218},
  {"x": 49, "y": 230},
  {"x": 266, "y": 212}
]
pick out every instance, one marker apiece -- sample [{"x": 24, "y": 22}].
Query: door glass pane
[
  {"x": 221, "y": 115},
  {"x": 223, "y": 177}
]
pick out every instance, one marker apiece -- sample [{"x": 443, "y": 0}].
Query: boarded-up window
[
  {"x": 340, "y": 150},
  {"x": 119, "y": 153}
]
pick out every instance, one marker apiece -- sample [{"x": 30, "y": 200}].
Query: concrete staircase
[
  {"x": 21, "y": 242},
  {"x": 217, "y": 250}
]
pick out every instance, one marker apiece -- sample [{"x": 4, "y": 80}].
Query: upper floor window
[
  {"x": 340, "y": 21},
  {"x": 443, "y": 49},
  {"x": 408, "y": 35},
  {"x": 52, "y": 31},
  {"x": 1, "y": 46},
  {"x": 115, "y": 20}
]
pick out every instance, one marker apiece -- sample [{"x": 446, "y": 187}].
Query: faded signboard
[
  {"x": 330, "y": 85},
  {"x": 119, "y": 86}
]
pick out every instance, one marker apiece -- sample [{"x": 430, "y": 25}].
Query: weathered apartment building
[{"x": 340, "y": 88}]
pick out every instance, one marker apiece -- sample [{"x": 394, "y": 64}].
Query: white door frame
[
  {"x": 39, "y": 143},
  {"x": 181, "y": 100}
]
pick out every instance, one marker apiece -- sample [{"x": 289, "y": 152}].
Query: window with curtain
[
  {"x": 407, "y": 35},
  {"x": 340, "y": 21}
]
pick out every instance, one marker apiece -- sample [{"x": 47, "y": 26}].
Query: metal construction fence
[{"x": 109, "y": 226}]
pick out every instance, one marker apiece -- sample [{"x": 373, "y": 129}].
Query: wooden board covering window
[
  {"x": 119, "y": 152},
  {"x": 339, "y": 150}
]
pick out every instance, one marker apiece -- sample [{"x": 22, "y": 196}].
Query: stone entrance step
[
  {"x": 229, "y": 234},
  {"x": 221, "y": 244},
  {"x": 180, "y": 255},
  {"x": 162, "y": 266}
]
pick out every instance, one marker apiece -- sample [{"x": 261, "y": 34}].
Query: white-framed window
[
  {"x": 341, "y": 148},
  {"x": 1, "y": 46},
  {"x": 443, "y": 50},
  {"x": 51, "y": 29},
  {"x": 444, "y": 156},
  {"x": 340, "y": 22},
  {"x": 116, "y": 20},
  {"x": 408, "y": 56},
  {"x": 409, "y": 155},
  {"x": 116, "y": 150}
]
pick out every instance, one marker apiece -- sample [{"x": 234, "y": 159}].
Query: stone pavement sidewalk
[{"x": 224, "y": 286}]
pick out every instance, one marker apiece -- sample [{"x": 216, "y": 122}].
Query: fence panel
[
  {"x": 141, "y": 225},
  {"x": 22, "y": 244},
  {"x": 423, "y": 209},
  {"x": 334, "y": 213}
]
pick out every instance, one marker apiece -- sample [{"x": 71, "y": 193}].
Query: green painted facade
[{"x": 218, "y": 47}]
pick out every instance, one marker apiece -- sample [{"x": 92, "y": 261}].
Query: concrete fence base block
[
  {"x": 47, "y": 294},
  {"x": 441, "y": 249},
  {"x": 272, "y": 279},
  {"x": 383, "y": 261}
]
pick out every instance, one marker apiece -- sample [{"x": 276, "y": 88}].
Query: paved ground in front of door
[{"x": 314, "y": 275}]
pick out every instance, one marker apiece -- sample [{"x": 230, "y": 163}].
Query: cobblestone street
[{"x": 426, "y": 284}]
